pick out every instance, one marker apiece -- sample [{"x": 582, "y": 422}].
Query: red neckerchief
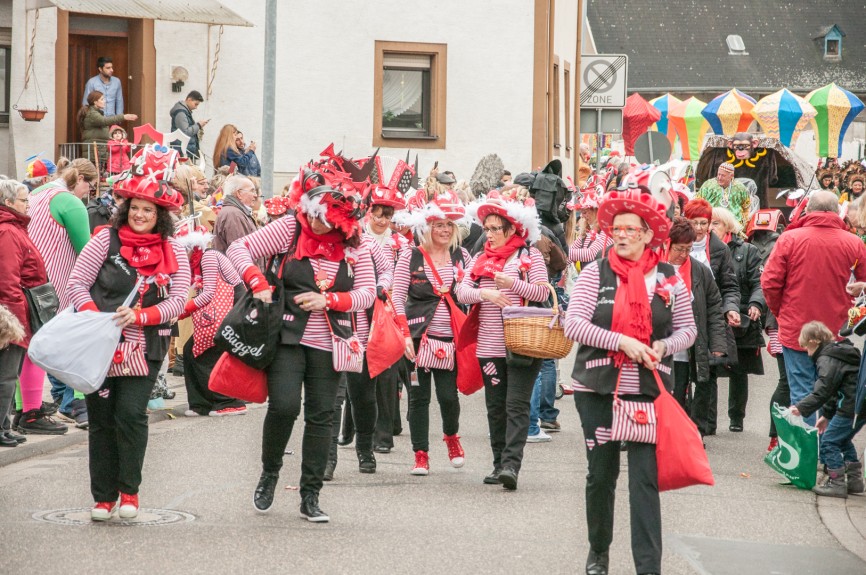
[
  {"x": 195, "y": 267},
  {"x": 493, "y": 259},
  {"x": 685, "y": 271},
  {"x": 312, "y": 245},
  {"x": 148, "y": 253},
  {"x": 632, "y": 315}
]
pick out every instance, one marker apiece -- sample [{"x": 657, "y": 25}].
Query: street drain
[{"x": 146, "y": 517}]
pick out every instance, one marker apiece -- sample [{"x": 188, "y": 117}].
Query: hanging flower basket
[{"x": 32, "y": 114}]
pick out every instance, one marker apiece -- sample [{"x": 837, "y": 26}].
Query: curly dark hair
[{"x": 164, "y": 222}]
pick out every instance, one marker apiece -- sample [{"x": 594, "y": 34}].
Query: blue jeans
[
  {"x": 63, "y": 394},
  {"x": 801, "y": 376},
  {"x": 543, "y": 397},
  {"x": 837, "y": 447}
]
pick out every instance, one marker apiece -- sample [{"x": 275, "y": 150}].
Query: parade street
[{"x": 392, "y": 522}]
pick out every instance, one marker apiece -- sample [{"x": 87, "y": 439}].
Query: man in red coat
[{"x": 805, "y": 279}]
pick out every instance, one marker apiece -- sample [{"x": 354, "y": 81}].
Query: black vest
[
  {"x": 115, "y": 280},
  {"x": 422, "y": 299},
  {"x": 602, "y": 376},
  {"x": 299, "y": 277}
]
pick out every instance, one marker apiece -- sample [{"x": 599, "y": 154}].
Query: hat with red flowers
[
  {"x": 639, "y": 201},
  {"x": 149, "y": 176}
]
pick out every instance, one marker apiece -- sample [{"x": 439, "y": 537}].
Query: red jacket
[
  {"x": 118, "y": 155},
  {"x": 806, "y": 274},
  {"x": 21, "y": 266}
]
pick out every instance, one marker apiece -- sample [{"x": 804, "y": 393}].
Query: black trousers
[
  {"x": 339, "y": 400},
  {"x": 296, "y": 369},
  {"x": 196, "y": 374},
  {"x": 419, "y": 405},
  {"x": 388, "y": 406},
  {"x": 361, "y": 391},
  {"x": 782, "y": 395},
  {"x": 117, "y": 433},
  {"x": 738, "y": 397},
  {"x": 507, "y": 392},
  {"x": 596, "y": 414},
  {"x": 705, "y": 404},
  {"x": 683, "y": 384}
]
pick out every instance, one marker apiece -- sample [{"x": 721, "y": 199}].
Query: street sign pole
[{"x": 598, "y": 137}]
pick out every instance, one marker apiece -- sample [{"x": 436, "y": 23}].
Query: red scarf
[
  {"x": 493, "y": 259},
  {"x": 148, "y": 253},
  {"x": 195, "y": 268},
  {"x": 632, "y": 315},
  {"x": 313, "y": 245},
  {"x": 685, "y": 271}
]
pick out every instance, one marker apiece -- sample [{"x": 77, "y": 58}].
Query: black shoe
[
  {"x": 508, "y": 478},
  {"x": 16, "y": 437},
  {"x": 177, "y": 369},
  {"x": 263, "y": 498},
  {"x": 382, "y": 449},
  {"x": 329, "y": 470},
  {"x": 49, "y": 408},
  {"x": 37, "y": 423},
  {"x": 736, "y": 428},
  {"x": 597, "y": 563},
  {"x": 16, "y": 419},
  {"x": 366, "y": 462},
  {"x": 6, "y": 441},
  {"x": 310, "y": 509},
  {"x": 493, "y": 477}
]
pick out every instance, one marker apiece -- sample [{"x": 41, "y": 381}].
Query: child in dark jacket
[{"x": 837, "y": 365}]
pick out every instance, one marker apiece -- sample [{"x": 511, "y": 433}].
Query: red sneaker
[
  {"x": 128, "y": 506},
  {"x": 103, "y": 510},
  {"x": 422, "y": 464},
  {"x": 229, "y": 411},
  {"x": 455, "y": 450},
  {"x": 774, "y": 441}
]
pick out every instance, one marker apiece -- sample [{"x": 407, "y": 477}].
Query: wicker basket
[{"x": 540, "y": 336}]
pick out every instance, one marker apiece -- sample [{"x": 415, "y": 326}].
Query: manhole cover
[{"x": 146, "y": 517}]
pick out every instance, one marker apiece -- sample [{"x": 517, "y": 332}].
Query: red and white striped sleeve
[
  {"x": 684, "y": 329},
  {"x": 363, "y": 292},
  {"x": 178, "y": 292},
  {"x": 214, "y": 265},
  {"x": 581, "y": 307},
  {"x": 400, "y": 289},
  {"x": 274, "y": 238},
  {"x": 588, "y": 248},
  {"x": 383, "y": 262},
  {"x": 530, "y": 289},
  {"x": 87, "y": 267},
  {"x": 468, "y": 291}
]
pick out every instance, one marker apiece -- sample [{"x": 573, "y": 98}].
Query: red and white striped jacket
[{"x": 52, "y": 241}]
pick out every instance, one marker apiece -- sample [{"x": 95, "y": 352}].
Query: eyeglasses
[
  {"x": 627, "y": 231},
  {"x": 700, "y": 224},
  {"x": 493, "y": 229},
  {"x": 92, "y": 186},
  {"x": 444, "y": 226},
  {"x": 681, "y": 249},
  {"x": 25, "y": 199}
]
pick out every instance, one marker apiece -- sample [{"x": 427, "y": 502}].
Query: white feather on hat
[
  {"x": 524, "y": 216},
  {"x": 418, "y": 219}
]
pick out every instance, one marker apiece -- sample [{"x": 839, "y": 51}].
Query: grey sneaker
[{"x": 79, "y": 413}]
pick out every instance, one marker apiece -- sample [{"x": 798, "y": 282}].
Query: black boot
[
  {"x": 493, "y": 477},
  {"x": 177, "y": 369},
  {"x": 329, "y": 470},
  {"x": 263, "y": 498},
  {"x": 508, "y": 478},
  {"x": 310, "y": 509},
  {"x": 597, "y": 563},
  {"x": 364, "y": 448}
]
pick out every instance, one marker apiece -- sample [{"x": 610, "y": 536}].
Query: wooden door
[{"x": 84, "y": 51}]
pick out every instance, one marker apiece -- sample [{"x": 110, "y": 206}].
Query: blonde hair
[
  {"x": 725, "y": 216},
  {"x": 182, "y": 176},
  {"x": 78, "y": 167},
  {"x": 815, "y": 332},
  {"x": 428, "y": 236}
]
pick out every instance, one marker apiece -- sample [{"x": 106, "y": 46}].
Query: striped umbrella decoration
[
  {"x": 783, "y": 115},
  {"x": 730, "y": 113},
  {"x": 685, "y": 118},
  {"x": 836, "y": 109},
  {"x": 663, "y": 104}
]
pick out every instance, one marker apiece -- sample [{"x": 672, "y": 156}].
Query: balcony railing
[{"x": 107, "y": 160}]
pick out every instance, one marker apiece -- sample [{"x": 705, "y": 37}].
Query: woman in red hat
[
  {"x": 630, "y": 313},
  {"x": 326, "y": 276},
  {"x": 590, "y": 241},
  {"x": 136, "y": 252},
  {"x": 506, "y": 273},
  {"x": 425, "y": 277},
  {"x": 215, "y": 284},
  {"x": 712, "y": 252}
]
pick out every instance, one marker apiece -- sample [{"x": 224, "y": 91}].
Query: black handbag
[
  {"x": 251, "y": 330},
  {"x": 42, "y": 304}
]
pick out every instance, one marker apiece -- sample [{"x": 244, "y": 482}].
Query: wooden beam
[{"x": 61, "y": 80}]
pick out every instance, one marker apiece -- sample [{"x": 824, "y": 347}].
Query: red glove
[
  {"x": 256, "y": 280},
  {"x": 339, "y": 301},
  {"x": 89, "y": 306},
  {"x": 148, "y": 316}
]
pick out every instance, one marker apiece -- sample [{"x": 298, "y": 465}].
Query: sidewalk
[{"x": 41, "y": 444}]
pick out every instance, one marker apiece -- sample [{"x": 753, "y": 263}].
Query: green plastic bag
[{"x": 796, "y": 455}]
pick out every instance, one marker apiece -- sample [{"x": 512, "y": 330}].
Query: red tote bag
[
  {"x": 682, "y": 459},
  {"x": 465, "y": 330},
  {"x": 386, "y": 344},
  {"x": 233, "y": 378}
]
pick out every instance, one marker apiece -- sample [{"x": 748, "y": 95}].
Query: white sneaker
[
  {"x": 191, "y": 413},
  {"x": 539, "y": 437}
]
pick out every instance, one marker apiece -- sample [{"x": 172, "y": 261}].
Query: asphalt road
[{"x": 392, "y": 522}]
